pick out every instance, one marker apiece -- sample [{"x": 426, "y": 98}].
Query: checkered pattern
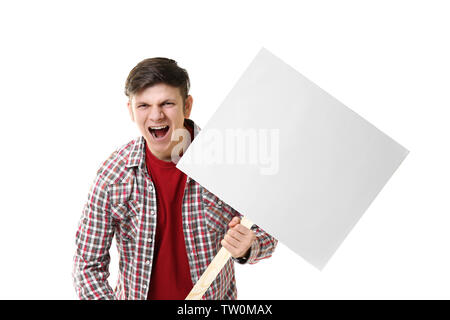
[{"x": 122, "y": 202}]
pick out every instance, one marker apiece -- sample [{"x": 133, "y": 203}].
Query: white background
[{"x": 62, "y": 71}]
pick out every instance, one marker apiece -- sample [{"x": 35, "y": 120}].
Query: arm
[
  {"x": 93, "y": 240},
  {"x": 263, "y": 247}
]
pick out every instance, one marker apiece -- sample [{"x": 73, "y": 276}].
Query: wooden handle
[{"x": 213, "y": 269}]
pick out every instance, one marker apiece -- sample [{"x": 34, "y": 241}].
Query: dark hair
[{"x": 152, "y": 71}]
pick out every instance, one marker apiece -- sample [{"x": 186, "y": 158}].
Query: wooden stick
[{"x": 213, "y": 269}]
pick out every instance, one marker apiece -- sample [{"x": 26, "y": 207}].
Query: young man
[{"x": 168, "y": 227}]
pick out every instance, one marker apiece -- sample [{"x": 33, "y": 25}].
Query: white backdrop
[{"x": 62, "y": 71}]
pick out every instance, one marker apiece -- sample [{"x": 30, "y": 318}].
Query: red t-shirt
[{"x": 171, "y": 278}]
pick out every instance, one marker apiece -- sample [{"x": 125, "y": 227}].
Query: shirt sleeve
[
  {"x": 264, "y": 245},
  {"x": 93, "y": 241}
]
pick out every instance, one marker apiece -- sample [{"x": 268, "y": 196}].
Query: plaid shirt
[{"x": 122, "y": 201}]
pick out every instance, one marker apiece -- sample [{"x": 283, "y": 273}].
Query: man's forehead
[{"x": 157, "y": 93}]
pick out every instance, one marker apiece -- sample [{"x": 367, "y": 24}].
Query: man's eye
[
  {"x": 168, "y": 103},
  {"x": 142, "y": 106}
]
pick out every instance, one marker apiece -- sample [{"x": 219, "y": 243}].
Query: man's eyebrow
[
  {"x": 166, "y": 100},
  {"x": 169, "y": 100}
]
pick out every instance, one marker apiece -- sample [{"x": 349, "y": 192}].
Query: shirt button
[
  {"x": 219, "y": 203},
  {"x": 147, "y": 262},
  {"x": 151, "y": 187},
  {"x": 152, "y": 212},
  {"x": 144, "y": 286},
  {"x": 149, "y": 240}
]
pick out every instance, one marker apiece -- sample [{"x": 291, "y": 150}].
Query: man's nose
[{"x": 156, "y": 114}]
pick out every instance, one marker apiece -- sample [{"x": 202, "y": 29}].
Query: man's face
[{"x": 158, "y": 111}]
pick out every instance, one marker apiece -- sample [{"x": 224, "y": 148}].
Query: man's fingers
[
  {"x": 238, "y": 238},
  {"x": 235, "y": 252},
  {"x": 235, "y": 234},
  {"x": 235, "y": 221},
  {"x": 232, "y": 241},
  {"x": 241, "y": 229},
  {"x": 229, "y": 247}
]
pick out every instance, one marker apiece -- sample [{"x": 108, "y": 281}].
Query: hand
[{"x": 238, "y": 239}]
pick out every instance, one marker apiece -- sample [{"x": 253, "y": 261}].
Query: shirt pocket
[
  {"x": 126, "y": 218},
  {"x": 216, "y": 218}
]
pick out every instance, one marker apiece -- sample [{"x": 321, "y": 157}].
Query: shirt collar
[{"x": 136, "y": 158}]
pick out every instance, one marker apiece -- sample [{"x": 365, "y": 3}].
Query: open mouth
[{"x": 159, "y": 132}]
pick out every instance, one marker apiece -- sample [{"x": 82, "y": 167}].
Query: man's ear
[
  {"x": 130, "y": 110},
  {"x": 188, "y": 106}
]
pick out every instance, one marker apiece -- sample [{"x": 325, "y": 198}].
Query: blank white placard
[{"x": 292, "y": 158}]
